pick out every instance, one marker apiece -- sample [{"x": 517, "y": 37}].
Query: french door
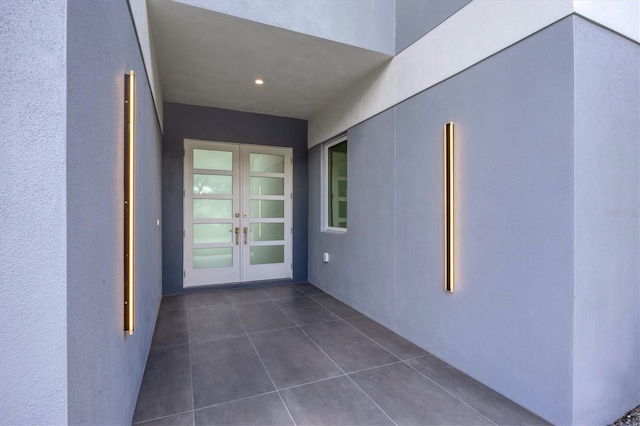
[{"x": 237, "y": 213}]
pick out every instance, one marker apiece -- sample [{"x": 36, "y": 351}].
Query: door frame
[{"x": 241, "y": 270}]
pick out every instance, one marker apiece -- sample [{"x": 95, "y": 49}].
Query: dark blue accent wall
[{"x": 221, "y": 125}]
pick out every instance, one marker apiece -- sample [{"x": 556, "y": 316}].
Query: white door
[{"x": 237, "y": 213}]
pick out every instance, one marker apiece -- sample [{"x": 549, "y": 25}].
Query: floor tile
[
  {"x": 209, "y": 298},
  {"x": 336, "y": 306},
  {"x": 409, "y": 398},
  {"x": 171, "y": 328},
  {"x": 166, "y": 385},
  {"x": 292, "y": 358},
  {"x": 213, "y": 322},
  {"x": 161, "y": 405},
  {"x": 491, "y": 404},
  {"x": 347, "y": 346},
  {"x": 262, "y": 410},
  {"x": 332, "y": 402},
  {"x": 261, "y": 316},
  {"x": 303, "y": 310},
  {"x": 225, "y": 370},
  {"x": 309, "y": 289},
  {"x": 246, "y": 295},
  {"x": 282, "y": 291},
  {"x": 202, "y": 355},
  {"x": 183, "y": 419},
  {"x": 400, "y": 347},
  {"x": 170, "y": 303}
]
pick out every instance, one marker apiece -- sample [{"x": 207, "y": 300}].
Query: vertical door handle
[
  {"x": 246, "y": 233},
  {"x": 237, "y": 233}
]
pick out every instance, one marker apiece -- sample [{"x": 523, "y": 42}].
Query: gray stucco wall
[
  {"x": 105, "y": 364},
  {"x": 215, "y": 124},
  {"x": 364, "y": 23},
  {"x": 33, "y": 266},
  {"x": 362, "y": 261},
  {"x": 607, "y": 135},
  {"x": 510, "y": 322},
  {"x": 415, "y": 18}
]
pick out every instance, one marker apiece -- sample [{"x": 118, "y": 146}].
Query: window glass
[{"x": 337, "y": 185}]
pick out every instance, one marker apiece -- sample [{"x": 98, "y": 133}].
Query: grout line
[
  {"x": 244, "y": 398},
  {"x": 231, "y": 304},
  {"x": 312, "y": 382},
  {"x": 161, "y": 417},
  {"x": 374, "y": 341},
  {"x": 322, "y": 350},
  {"x": 193, "y": 402},
  {"x": 274, "y": 298},
  {"x": 264, "y": 366},
  {"x": 420, "y": 356},
  {"x": 230, "y": 336},
  {"x": 371, "y": 399},
  {"x": 319, "y": 322},
  {"x": 340, "y": 368},
  {"x": 377, "y": 366},
  {"x": 272, "y": 329},
  {"x": 226, "y": 292},
  {"x": 450, "y": 393}
]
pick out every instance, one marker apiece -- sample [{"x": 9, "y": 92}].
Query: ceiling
[{"x": 211, "y": 59}]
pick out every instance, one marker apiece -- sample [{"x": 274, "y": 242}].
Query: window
[{"x": 335, "y": 184}]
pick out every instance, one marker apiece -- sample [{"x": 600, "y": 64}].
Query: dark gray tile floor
[{"x": 294, "y": 355}]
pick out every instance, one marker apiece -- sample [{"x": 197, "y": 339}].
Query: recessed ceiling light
[{"x": 259, "y": 81}]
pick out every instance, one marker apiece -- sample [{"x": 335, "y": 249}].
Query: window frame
[{"x": 325, "y": 227}]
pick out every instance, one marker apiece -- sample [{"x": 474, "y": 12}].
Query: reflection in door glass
[
  {"x": 266, "y": 186},
  {"x": 212, "y": 184},
  {"x": 266, "y": 163},
  {"x": 267, "y": 231},
  {"x": 261, "y": 255},
  {"x": 212, "y": 258},
  {"x": 266, "y": 208},
  {"x": 212, "y": 209},
  {"x": 208, "y": 233},
  {"x": 212, "y": 160}
]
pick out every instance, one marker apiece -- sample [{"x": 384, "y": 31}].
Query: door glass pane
[
  {"x": 207, "y": 233},
  {"x": 267, "y": 254},
  {"x": 266, "y": 208},
  {"x": 267, "y": 186},
  {"x": 267, "y": 231},
  {"x": 266, "y": 163},
  {"x": 212, "y": 184},
  {"x": 212, "y": 258},
  {"x": 212, "y": 160},
  {"x": 212, "y": 209}
]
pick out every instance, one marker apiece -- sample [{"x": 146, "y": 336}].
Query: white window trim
[{"x": 325, "y": 186}]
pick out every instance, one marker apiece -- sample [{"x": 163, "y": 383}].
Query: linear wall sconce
[
  {"x": 448, "y": 209},
  {"x": 129, "y": 201}
]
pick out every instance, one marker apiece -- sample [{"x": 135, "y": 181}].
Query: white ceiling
[{"x": 211, "y": 59}]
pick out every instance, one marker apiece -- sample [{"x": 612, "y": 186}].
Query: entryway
[{"x": 237, "y": 213}]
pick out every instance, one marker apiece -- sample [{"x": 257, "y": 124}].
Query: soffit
[{"x": 211, "y": 59}]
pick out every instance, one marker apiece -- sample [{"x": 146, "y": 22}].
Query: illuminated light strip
[
  {"x": 449, "y": 284},
  {"x": 129, "y": 202}
]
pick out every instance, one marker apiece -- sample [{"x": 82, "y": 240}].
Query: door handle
[
  {"x": 246, "y": 233},
  {"x": 237, "y": 233}
]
